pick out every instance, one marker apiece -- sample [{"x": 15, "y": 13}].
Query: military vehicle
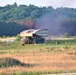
[{"x": 34, "y": 36}]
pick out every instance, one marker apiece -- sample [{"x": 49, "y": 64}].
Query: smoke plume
[{"x": 52, "y": 22}]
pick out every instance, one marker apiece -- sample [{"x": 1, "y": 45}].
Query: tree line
[{"x": 14, "y": 19}]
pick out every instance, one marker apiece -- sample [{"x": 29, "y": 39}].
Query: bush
[
  {"x": 18, "y": 38},
  {"x": 67, "y": 35}
]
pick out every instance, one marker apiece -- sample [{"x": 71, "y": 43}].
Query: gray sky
[{"x": 54, "y": 3}]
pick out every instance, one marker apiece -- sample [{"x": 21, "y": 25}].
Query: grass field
[{"x": 55, "y": 56}]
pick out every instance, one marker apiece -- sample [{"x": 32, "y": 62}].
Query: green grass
[
  {"x": 18, "y": 45},
  {"x": 62, "y": 42},
  {"x": 51, "y": 46},
  {"x": 9, "y": 62},
  {"x": 38, "y": 73}
]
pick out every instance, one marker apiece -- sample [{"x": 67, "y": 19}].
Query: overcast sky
[{"x": 53, "y": 3}]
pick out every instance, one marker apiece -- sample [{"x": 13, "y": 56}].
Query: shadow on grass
[{"x": 9, "y": 62}]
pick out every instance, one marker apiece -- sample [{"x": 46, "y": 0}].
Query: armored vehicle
[{"x": 34, "y": 36}]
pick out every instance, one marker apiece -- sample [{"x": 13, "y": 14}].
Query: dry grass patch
[{"x": 41, "y": 62}]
